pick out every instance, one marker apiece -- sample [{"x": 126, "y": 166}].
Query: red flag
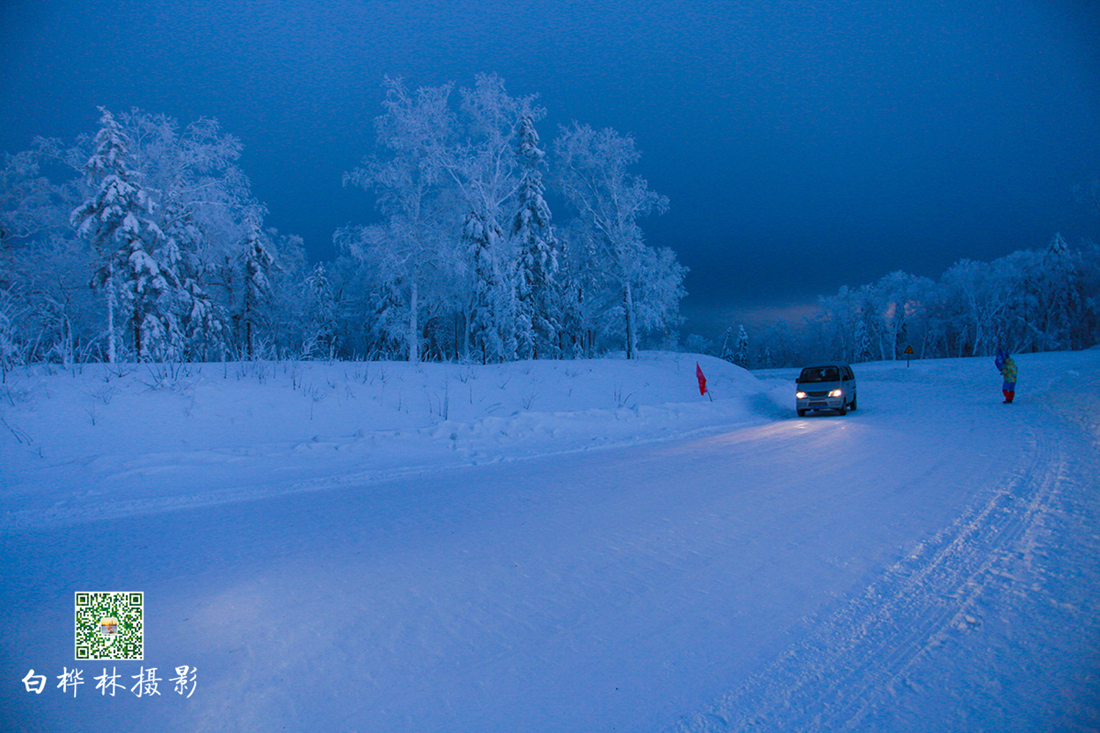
[{"x": 701, "y": 378}]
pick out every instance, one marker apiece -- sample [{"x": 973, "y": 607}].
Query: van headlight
[
  {"x": 800, "y": 395},
  {"x": 837, "y": 393}
]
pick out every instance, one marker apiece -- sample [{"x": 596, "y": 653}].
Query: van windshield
[{"x": 819, "y": 374}]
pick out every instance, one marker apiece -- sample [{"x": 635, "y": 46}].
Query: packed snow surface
[{"x": 557, "y": 546}]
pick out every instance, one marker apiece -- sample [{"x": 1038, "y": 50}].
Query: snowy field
[{"x": 558, "y": 546}]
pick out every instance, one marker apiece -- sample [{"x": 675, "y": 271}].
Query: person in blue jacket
[{"x": 1007, "y": 367}]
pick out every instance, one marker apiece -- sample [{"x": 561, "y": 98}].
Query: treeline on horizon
[{"x": 1029, "y": 300}]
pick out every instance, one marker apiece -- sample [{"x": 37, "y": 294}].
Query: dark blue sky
[{"x": 804, "y": 145}]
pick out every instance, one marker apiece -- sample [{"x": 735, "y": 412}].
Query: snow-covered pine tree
[
  {"x": 321, "y": 303},
  {"x": 576, "y": 281},
  {"x": 726, "y": 351},
  {"x": 539, "y": 308},
  {"x": 257, "y": 264},
  {"x": 200, "y": 320},
  {"x": 202, "y": 202},
  {"x": 138, "y": 264},
  {"x": 486, "y": 332},
  {"x": 741, "y": 357}
]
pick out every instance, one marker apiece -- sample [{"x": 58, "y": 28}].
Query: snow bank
[{"x": 109, "y": 441}]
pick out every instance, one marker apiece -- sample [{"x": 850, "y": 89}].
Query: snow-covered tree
[
  {"x": 780, "y": 340},
  {"x": 489, "y": 334},
  {"x": 539, "y": 313},
  {"x": 486, "y": 173},
  {"x": 43, "y": 264},
  {"x": 1055, "y": 285},
  {"x": 281, "y": 330},
  {"x": 205, "y": 208},
  {"x": 138, "y": 264},
  {"x": 594, "y": 176},
  {"x": 726, "y": 351},
  {"x": 658, "y": 293},
  {"x": 10, "y": 348},
  {"x": 581, "y": 292},
  {"x": 982, "y": 296},
  {"x": 321, "y": 326},
  {"x": 696, "y": 344},
  {"x": 896, "y": 305},
  {"x": 409, "y": 250},
  {"x": 741, "y": 355},
  {"x": 861, "y": 349},
  {"x": 30, "y": 203},
  {"x": 257, "y": 265},
  {"x": 193, "y": 195}
]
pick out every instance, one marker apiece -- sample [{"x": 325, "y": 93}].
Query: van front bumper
[{"x": 820, "y": 403}]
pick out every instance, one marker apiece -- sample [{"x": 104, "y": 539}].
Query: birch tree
[
  {"x": 595, "y": 178},
  {"x": 414, "y": 132}
]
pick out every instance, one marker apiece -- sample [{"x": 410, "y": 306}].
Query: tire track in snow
[{"x": 854, "y": 660}]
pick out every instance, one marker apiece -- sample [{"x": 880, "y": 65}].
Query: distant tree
[
  {"x": 781, "y": 342},
  {"x": 837, "y": 316},
  {"x": 741, "y": 357},
  {"x": 896, "y": 305},
  {"x": 31, "y": 204},
  {"x": 287, "y": 316},
  {"x": 44, "y": 264},
  {"x": 862, "y": 348},
  {"x": 584, "y": 301},
  {"x": 696, "y": 344},
  {"x": 981, "y": 294},
  {"x": 727, "y": 350},
  {"x": 1056, "y": 287}
]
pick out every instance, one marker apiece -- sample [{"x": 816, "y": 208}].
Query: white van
[{"x": 829, "y": 385}]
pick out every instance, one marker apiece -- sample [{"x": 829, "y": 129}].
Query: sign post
[{"x": 908, "y": 354}]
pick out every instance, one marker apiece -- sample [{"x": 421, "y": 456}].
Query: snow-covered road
[{"x": 929, "y": 562}]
